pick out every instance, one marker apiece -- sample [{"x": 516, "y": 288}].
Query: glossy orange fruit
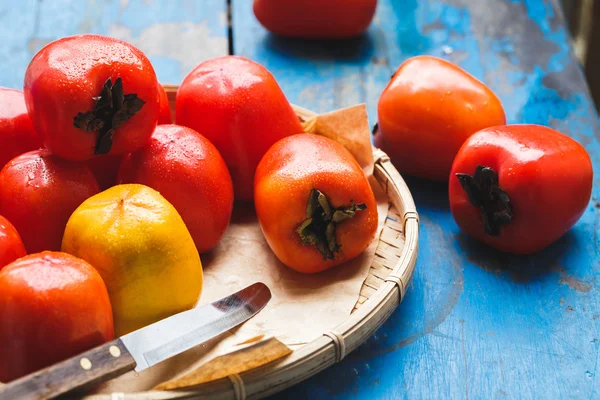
[{"x": 314, "y": 203}]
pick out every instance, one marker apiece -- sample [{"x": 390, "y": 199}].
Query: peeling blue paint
[
  {"x": 475, "y": 323},
  {"x": 30, "y": 24}
]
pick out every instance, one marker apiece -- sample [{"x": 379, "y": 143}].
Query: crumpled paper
[{"x": 302, "y": 307}]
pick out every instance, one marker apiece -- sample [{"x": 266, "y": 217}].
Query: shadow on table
[
  {"x": 356, "y": 49},
  {"x": 427, "y": 194},
  {"x": 433, "y": 197},
  {"x": 522, "y": 269}
]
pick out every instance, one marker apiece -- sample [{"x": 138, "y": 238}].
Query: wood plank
[
  {"x": 174, "y": 35},
  {"x": 475, "y": 323}
]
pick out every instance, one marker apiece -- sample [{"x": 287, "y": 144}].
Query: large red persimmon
[
  {"x": 427, "y": 111},
  {"x": 90, "y": 94},
  {"x": 519, "y": 188},
  {"x": 237, "y": 105}
]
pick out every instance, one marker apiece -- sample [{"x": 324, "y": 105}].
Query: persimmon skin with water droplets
[
  {"x": 190, "y": 173},
  {"x": 546, "y": 176},
  {"x": 237, "y": 105},
  {"x": 52, "y": 306},
  {"x": 285, "y": 180},
  {"x": 64, "y": 79},
  {"x": 38, "y": 193},
  {"x": 427, "y": 111}
]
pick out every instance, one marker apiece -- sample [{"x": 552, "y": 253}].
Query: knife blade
[{"x": 143, "y": 348}]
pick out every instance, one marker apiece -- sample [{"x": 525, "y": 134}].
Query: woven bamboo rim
[{"x": 382, "y": 291}]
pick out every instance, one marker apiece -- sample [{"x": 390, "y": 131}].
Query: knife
[{"x": 143, "y": 348}]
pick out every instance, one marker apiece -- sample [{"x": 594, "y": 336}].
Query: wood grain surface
[{"x": 475, "y": 323}]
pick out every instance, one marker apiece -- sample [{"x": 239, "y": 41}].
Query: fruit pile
[{"x": 106, "y": 205}]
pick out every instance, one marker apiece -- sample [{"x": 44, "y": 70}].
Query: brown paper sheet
[
  {"x": 303, "y": 307},
  {"x": 350, "y": 127}
]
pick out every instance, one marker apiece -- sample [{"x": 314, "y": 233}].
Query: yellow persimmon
[{"x": 142, "y": 249}]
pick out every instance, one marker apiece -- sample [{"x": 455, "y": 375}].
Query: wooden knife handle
[{"x": 83, "y": 371}]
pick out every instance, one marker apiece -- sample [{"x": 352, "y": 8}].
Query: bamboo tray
[{"x": 382, "y": 291}]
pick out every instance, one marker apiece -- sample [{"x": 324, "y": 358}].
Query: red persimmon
[
  {"x": 164, "y": 112},
  {"x": 519, "y": 188},
  {"x": 190, "y": 173},
  {"x": 105, "y": 169},
  {"x": 11, "y": 245},
  {"x": 316, "y": 19},
  {"x": 314, "y": 204},
  {"x": 427, "y": 111},
  {"x": 237, "y": 105},
  {"x": 17, "y": 135},
  {"x": 53, "y": 306},
  {"x": 90, "y": 95},
  {"x": 38, "y": 194}
]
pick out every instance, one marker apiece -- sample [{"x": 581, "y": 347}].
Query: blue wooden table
[{"x": 475, "y": 323}]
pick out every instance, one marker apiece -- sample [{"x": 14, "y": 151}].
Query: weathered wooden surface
[
  {"x": 175, "y": 35},
  {"x": 475, "y": 323}
]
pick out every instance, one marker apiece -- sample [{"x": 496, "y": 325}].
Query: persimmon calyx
[
  {"x": 318, "y": 229},
  {"x": 111, "y": 109},
  {"x": 484, "y": 192}
]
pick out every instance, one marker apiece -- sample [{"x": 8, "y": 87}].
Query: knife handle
[{"x": 83, "y": 371}]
